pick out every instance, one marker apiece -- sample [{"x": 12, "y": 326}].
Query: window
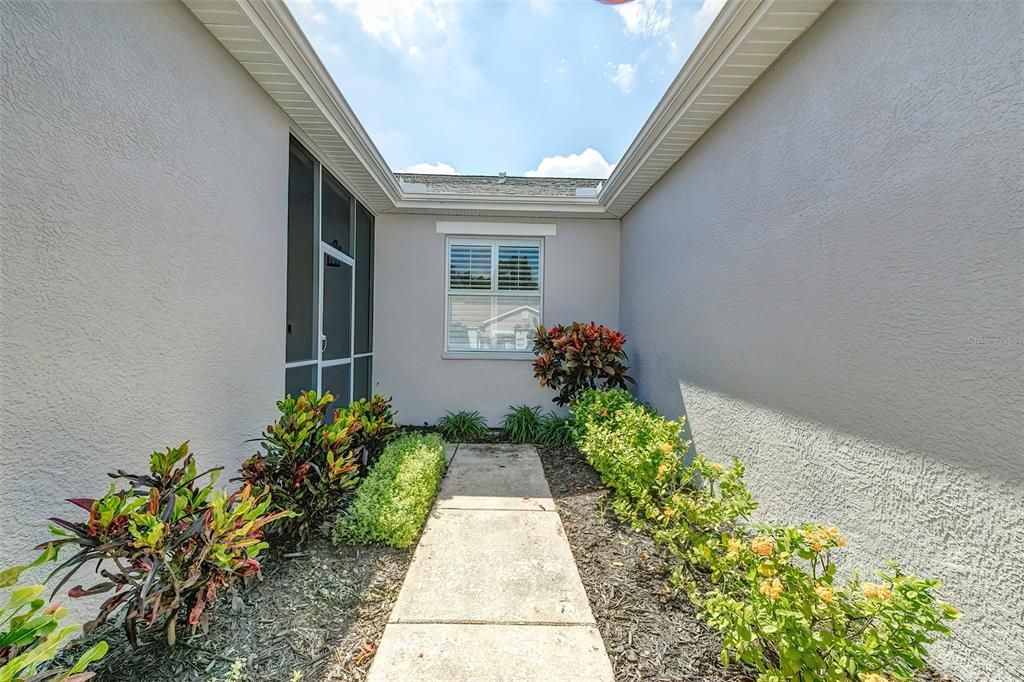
[{"x": 493, "y": 294}]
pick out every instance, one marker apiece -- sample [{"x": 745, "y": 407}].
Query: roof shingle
[{"x": 498, "y": 185}]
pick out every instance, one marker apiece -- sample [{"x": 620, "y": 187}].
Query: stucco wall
[
  {"x": 581, "y": 281},
  {"x": 832, "y": 282},
  {"x": 142, "y": 283}
]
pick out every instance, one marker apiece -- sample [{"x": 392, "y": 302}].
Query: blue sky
[{"x": 530, "y": 87}]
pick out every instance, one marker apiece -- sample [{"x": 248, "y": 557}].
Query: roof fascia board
[
  {"x": 277, "y": 25},
  {"x": 737, "y": 21},
  {"x": 513, "y": 205},
  {"x": 718, "y": 38}
]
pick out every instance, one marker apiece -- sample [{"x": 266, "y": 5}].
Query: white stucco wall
[
  {"x": 581, "y": 282},
  {"x": 832, "y": 282},
  {"x": 142, "y": 283}
]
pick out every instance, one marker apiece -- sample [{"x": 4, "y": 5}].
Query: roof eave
[{"x": 742, "y": 42}]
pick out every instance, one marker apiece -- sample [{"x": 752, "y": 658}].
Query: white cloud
[
  {"x": 623, "y": 75},
  {"x": 427, "y": 34},
  {"x": 439, "y": 168},
  {"x": 646, "y": 17},
  {"x": 587, "y": 164},
  {"x": 401, "y": 22},
  {"x": 706, "y": 14}
]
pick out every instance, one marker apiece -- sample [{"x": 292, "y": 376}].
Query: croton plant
[
  {"x": 166, "y": 544},
  {"x": 575, "y": 357},
  {"x": 308, "y": 462}
]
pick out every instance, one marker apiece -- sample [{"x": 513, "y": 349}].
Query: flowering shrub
[
  {"x": 170, "y": 545},
  {"x": 394, "y": 500},
  {"x": 307, "y": 463},
  {"x": 770, "y": 591},
  {"x": 31, "y": 633},
  {"x": 575, "y": 357}
]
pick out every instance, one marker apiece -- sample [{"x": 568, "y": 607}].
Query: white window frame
[{"x": 494, "y": 243}]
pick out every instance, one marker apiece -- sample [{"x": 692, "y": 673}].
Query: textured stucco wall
[
  {"x": 581, "y": 281},
  {"x": 142, "y": 283},
  {"x": 832, "y": 282}
]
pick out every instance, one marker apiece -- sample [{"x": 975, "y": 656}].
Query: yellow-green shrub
[
  {"x": 769, "y": 590},
  {"x": 393, "y": 502}
]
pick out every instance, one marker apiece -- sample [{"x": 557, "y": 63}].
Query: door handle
[{"x": 323, "y": 342}]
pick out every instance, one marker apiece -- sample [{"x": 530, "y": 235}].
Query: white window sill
[{"x": 487, "y": 355}]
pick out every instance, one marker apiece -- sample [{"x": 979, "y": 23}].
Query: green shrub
[
  {"x": 167, "y": 543},
  {"x": 575, "y": 357},
  {"x": 376, "y": 426},
  {"x": 458, "y": 427},
  {"x": 394, "y": 500},
  {"x": 636, "y": 451},
  {"x": 31, "y": 633},
  {"x": 554, "y": 431},
  {"x": 307, "y": 463},
  {"x": 522, "y": 424},
  {"x": 770, "y": 590}
]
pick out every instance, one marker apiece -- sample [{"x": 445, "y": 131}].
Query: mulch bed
[
  {"x": 320, "y": 612},
  {"x": 649, "y": 634}
]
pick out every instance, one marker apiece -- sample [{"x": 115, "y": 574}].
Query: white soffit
[
  {"x": 743, "y": 41},
  {"x": 263, "y": 36}
]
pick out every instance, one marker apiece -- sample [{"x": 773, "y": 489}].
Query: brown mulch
[
  {"x": 649, "y": 634},
  {"x": 320, "y": 611}
]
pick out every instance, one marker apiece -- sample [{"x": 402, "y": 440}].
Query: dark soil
[
  {"x": 320, "y": 612},
  {"x": 649, "y": 634},
  {"x": 492, "y": 436}
]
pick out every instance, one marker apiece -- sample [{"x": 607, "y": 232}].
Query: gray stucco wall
[
  {"x": 581, "y": 281},
  {"x": 832, "y": 282},
  {"x": 142, "y": 283}
]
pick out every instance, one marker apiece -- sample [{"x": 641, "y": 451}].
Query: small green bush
[
  {"x": 458, "y": 427},
  {"x": 554, "y": 431},
  {"x": 394, "y": 500},
  {"x": 522, "y": 424},
  {"x": 769, "y": 590}
]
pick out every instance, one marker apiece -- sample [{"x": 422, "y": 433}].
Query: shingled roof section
[{"x": 498, "y": 185}]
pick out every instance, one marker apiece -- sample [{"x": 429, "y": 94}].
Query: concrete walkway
[{"x": 492, "y": 593}]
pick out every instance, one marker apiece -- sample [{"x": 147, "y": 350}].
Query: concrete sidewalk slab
[
  {"x": 493, "y": 592},
  {"x": 496, "y": 477},
  {"x": 495, "y": 653},
  {"x": 487, "y": 566}
]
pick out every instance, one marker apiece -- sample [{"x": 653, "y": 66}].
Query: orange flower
[
  {"x": 876, "y": 591},
  {"x": 771, "y": 588},
  {"x": 813, "y": 538},
  {"x": 763, "y": 545},
  {"x": 666, "y": 447},
  {"x": 875, "y": 677},
  {"x": 824, "y": 593}
]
